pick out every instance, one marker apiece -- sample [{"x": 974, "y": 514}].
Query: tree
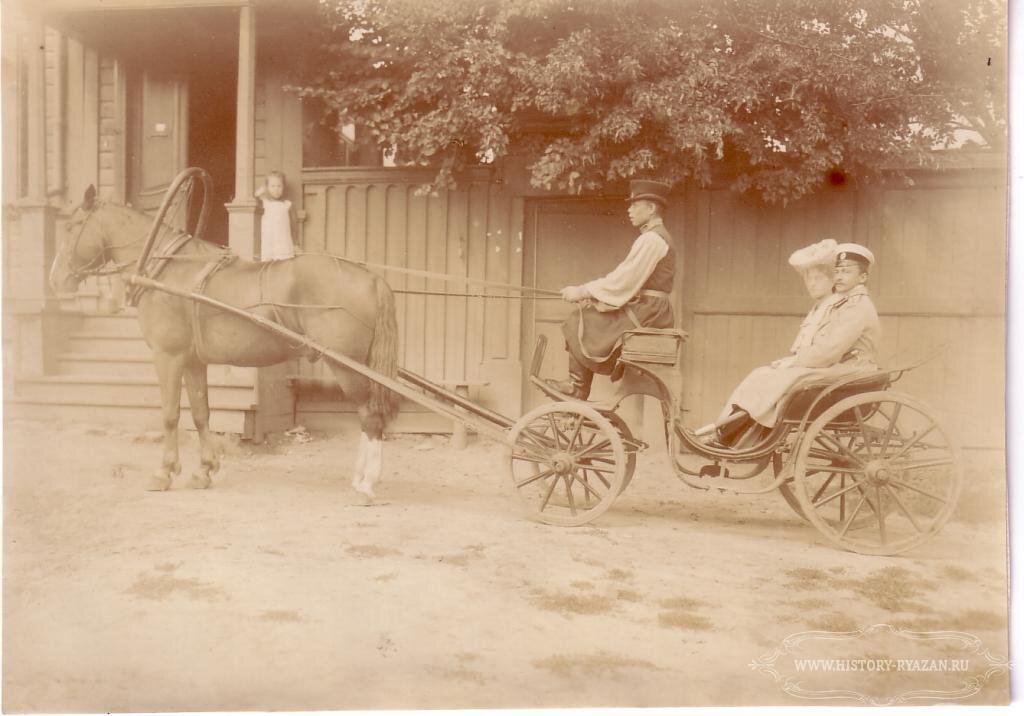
[{"x": 784, "y": 93}]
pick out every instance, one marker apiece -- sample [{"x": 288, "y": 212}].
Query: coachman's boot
[{"x": 580, "y": 379}]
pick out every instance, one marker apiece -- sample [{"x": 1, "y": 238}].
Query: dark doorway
[{"x": 212, "y": 108}]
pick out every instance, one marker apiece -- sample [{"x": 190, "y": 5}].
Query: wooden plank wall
[
  {"x": 939, "y": 281},
  {"x": 377, "y": 215}
]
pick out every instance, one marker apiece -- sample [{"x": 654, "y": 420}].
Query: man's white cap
[
  {"x": 819, "y": 254},
  {"x": 854, "y": 252}
]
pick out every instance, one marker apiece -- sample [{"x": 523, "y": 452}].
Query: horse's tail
[{"x": 383, "y": 356}]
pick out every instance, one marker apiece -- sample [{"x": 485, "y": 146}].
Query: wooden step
[
  {"x": 101, "y": 364},
  {"x": 108, "y": 343},
  {"x": 100, "y": 390},
  {"x": 118, "y": 323},
  {"x": 144, "y": 417}
]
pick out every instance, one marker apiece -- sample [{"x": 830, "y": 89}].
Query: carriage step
[
  {"x": 101, "y": 364},
  {"x": 102, "y": 390},
  {"x": 714, "y": 471},
  {"x": 142, "y": 417},
  {"x": 109, "y": 343}
]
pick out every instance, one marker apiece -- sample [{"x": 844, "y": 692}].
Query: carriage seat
[
  {"x": 652, "y": 345},
  {"x": 802, "y": 395}
]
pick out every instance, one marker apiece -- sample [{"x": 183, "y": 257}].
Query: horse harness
[
  {"x": 94, "y": 267},
  {"x": 200, "y": 288}
]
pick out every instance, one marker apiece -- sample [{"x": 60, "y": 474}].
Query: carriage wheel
[
  {"x": 568, "y": 463},
  {"x": 788, "y": 493},
  {"x": 877, "y": 474},
  {"x": 627, "y": 437}
]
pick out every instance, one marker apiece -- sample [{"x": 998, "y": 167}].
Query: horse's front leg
[
  {"x": 199, "y": 404},
  {"x": 169, "y": 368}
]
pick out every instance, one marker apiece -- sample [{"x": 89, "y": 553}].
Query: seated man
[
  {"x": 838, "y": 338},
  {"x": 635, "y": 294}
]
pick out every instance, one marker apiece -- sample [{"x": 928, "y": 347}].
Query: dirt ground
[{"x": 276, "y": 590}]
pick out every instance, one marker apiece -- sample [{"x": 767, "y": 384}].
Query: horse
[{"x": 336, "y": 303}]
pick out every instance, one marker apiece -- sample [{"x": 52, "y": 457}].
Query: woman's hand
[{"x": 572, "y": 294}]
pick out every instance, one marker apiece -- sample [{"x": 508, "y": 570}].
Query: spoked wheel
[
  {"x": 788, "y": 492},
  {"x": 568, "y": 463},
  {"x": 877, "y": 474}
]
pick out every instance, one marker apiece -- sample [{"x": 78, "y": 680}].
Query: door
[
  {"x": 568, "y": 242},
  {"x": 157, "y": 136}
]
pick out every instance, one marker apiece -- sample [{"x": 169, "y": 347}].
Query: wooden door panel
[{"x": 159, "y": 136}]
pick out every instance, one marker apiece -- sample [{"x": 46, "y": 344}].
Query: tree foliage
[{"x": 780, "y": 94}]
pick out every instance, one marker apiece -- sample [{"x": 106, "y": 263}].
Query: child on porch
[{"x": 276, "y": 224}]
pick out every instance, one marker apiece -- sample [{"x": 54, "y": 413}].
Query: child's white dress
[{"x": 276, "y": 230}]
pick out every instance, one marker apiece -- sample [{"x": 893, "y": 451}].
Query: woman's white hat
[{"x": 819, "y": 254}]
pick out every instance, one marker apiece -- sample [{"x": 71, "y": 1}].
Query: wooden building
[{"x": 125, "y": 93}]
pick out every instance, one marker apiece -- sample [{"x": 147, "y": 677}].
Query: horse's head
[{"x": 81, "y": 246}]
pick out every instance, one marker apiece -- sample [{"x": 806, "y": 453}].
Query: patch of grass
[
  {"x": 372, "y": 550},
  {"x": 833, "y": 621},
  {"x": 806, "y": 578},
  {"x": 573, "y": 603},
  {"x": 680, "y": 603},
  {"x": 959, "y": 574},
  {"x": 620, "y": 575},
  {"x": 458, "y": 560},
  {"x": 969, "y": 620},
  {"x": 164, "y": 586},
  {"x": 684, "y": 620},
  {"x": 589, "y": 561},
  {"x": 281, "y": 615},
  {"x": 601, "y": 664},
  {"x": 628, "y": 595},
  {"x": 892, "y": 589},
  {"x": 581, "y": 584},
  {"x": 460, "y": 673}
]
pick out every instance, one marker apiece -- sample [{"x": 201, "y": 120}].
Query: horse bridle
[{"x": 94, "y": 267}]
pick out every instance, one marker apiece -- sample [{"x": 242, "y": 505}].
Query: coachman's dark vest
[{"x": 661, "y": 278}]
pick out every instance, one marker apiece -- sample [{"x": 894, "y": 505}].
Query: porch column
[
  {"x": 32, "y": 248},
  {"x": 243, "y": 211}
]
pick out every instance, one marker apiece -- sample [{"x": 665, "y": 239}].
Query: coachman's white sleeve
[{"x": 626, "y": 279}]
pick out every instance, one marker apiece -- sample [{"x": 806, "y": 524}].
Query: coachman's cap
[
  {"x": 854, "y": 252},
  {"x": 822, "y": 253},
  {"x": 650, "y": 190}
]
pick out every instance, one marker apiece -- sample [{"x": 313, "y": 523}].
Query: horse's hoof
[
  {"x": 364, "y": 498},
  {"x": 200, "y": 481},
  {"x": 158, "y": 482}
]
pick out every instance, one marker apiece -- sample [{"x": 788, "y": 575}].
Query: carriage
[{"x": 869, "y": 467}]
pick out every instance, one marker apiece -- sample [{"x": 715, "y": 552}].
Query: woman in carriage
[{"x": 838, "y": 338}]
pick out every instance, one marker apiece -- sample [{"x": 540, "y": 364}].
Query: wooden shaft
[{"x": 476, "y": 422}]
